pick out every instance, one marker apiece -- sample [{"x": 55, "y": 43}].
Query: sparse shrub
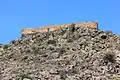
[
  {"x": 12, "y": 42},
  {"x": 62, "y": 32},
  {"x": 75, "y": 37},
  {"x": 69, "y": 40},
  {"x": 108, "y": 32},
  {"x": 63, "y": 75},
  {"x": 51, "y": 48},
  {"x": 1, "y": 44},
  {"x": 72, "y": 71},
  {"x": 52, "y": 34},
  {"x": 51, "y": 42},
  {"x": 35, "y": 50},
  {"x": 47, "y": 35},
  {"x": 72, "y": 27},
  {"x": 28, "y": 50},
  {"x": 25, "y": 77},
  {"x": 62, "y": 50},
  {"x": 6, "y": 46},
  {"x": 109, "y": 57}
]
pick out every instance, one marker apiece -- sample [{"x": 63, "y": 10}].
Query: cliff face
[{"x": 73, "y": 53}]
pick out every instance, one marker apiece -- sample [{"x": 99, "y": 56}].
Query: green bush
[
  {"x": 6, "y": 46},
  {"x": 69, "y": 40},
  {"x": 72, "y": 27},
  {"x": 25, "y": 76},
  {"x": 51, "y": 42},
  {"x": 109, "y": 57}
]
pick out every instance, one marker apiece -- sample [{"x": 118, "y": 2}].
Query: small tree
[
  {"x": 72, "y": 27},
  {"x": 109, "y": 57}
]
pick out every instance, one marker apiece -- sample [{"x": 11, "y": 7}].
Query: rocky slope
[{"x": 68, "y": 54}]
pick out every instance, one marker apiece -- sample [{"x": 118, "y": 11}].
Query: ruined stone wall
[
  {"x": 29, "y": 31},
  {"x": 93, "y": 25}
]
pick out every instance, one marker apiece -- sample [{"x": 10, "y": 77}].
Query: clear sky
[{"x": 18, "y": 14}]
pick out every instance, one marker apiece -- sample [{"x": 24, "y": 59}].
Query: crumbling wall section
[{"x": 93, "y": 25}]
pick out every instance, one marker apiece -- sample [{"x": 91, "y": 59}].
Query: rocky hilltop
[{"x": 68, "y": 54}]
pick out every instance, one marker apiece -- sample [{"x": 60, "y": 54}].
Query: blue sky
[{"x": 18, "y": 14}]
